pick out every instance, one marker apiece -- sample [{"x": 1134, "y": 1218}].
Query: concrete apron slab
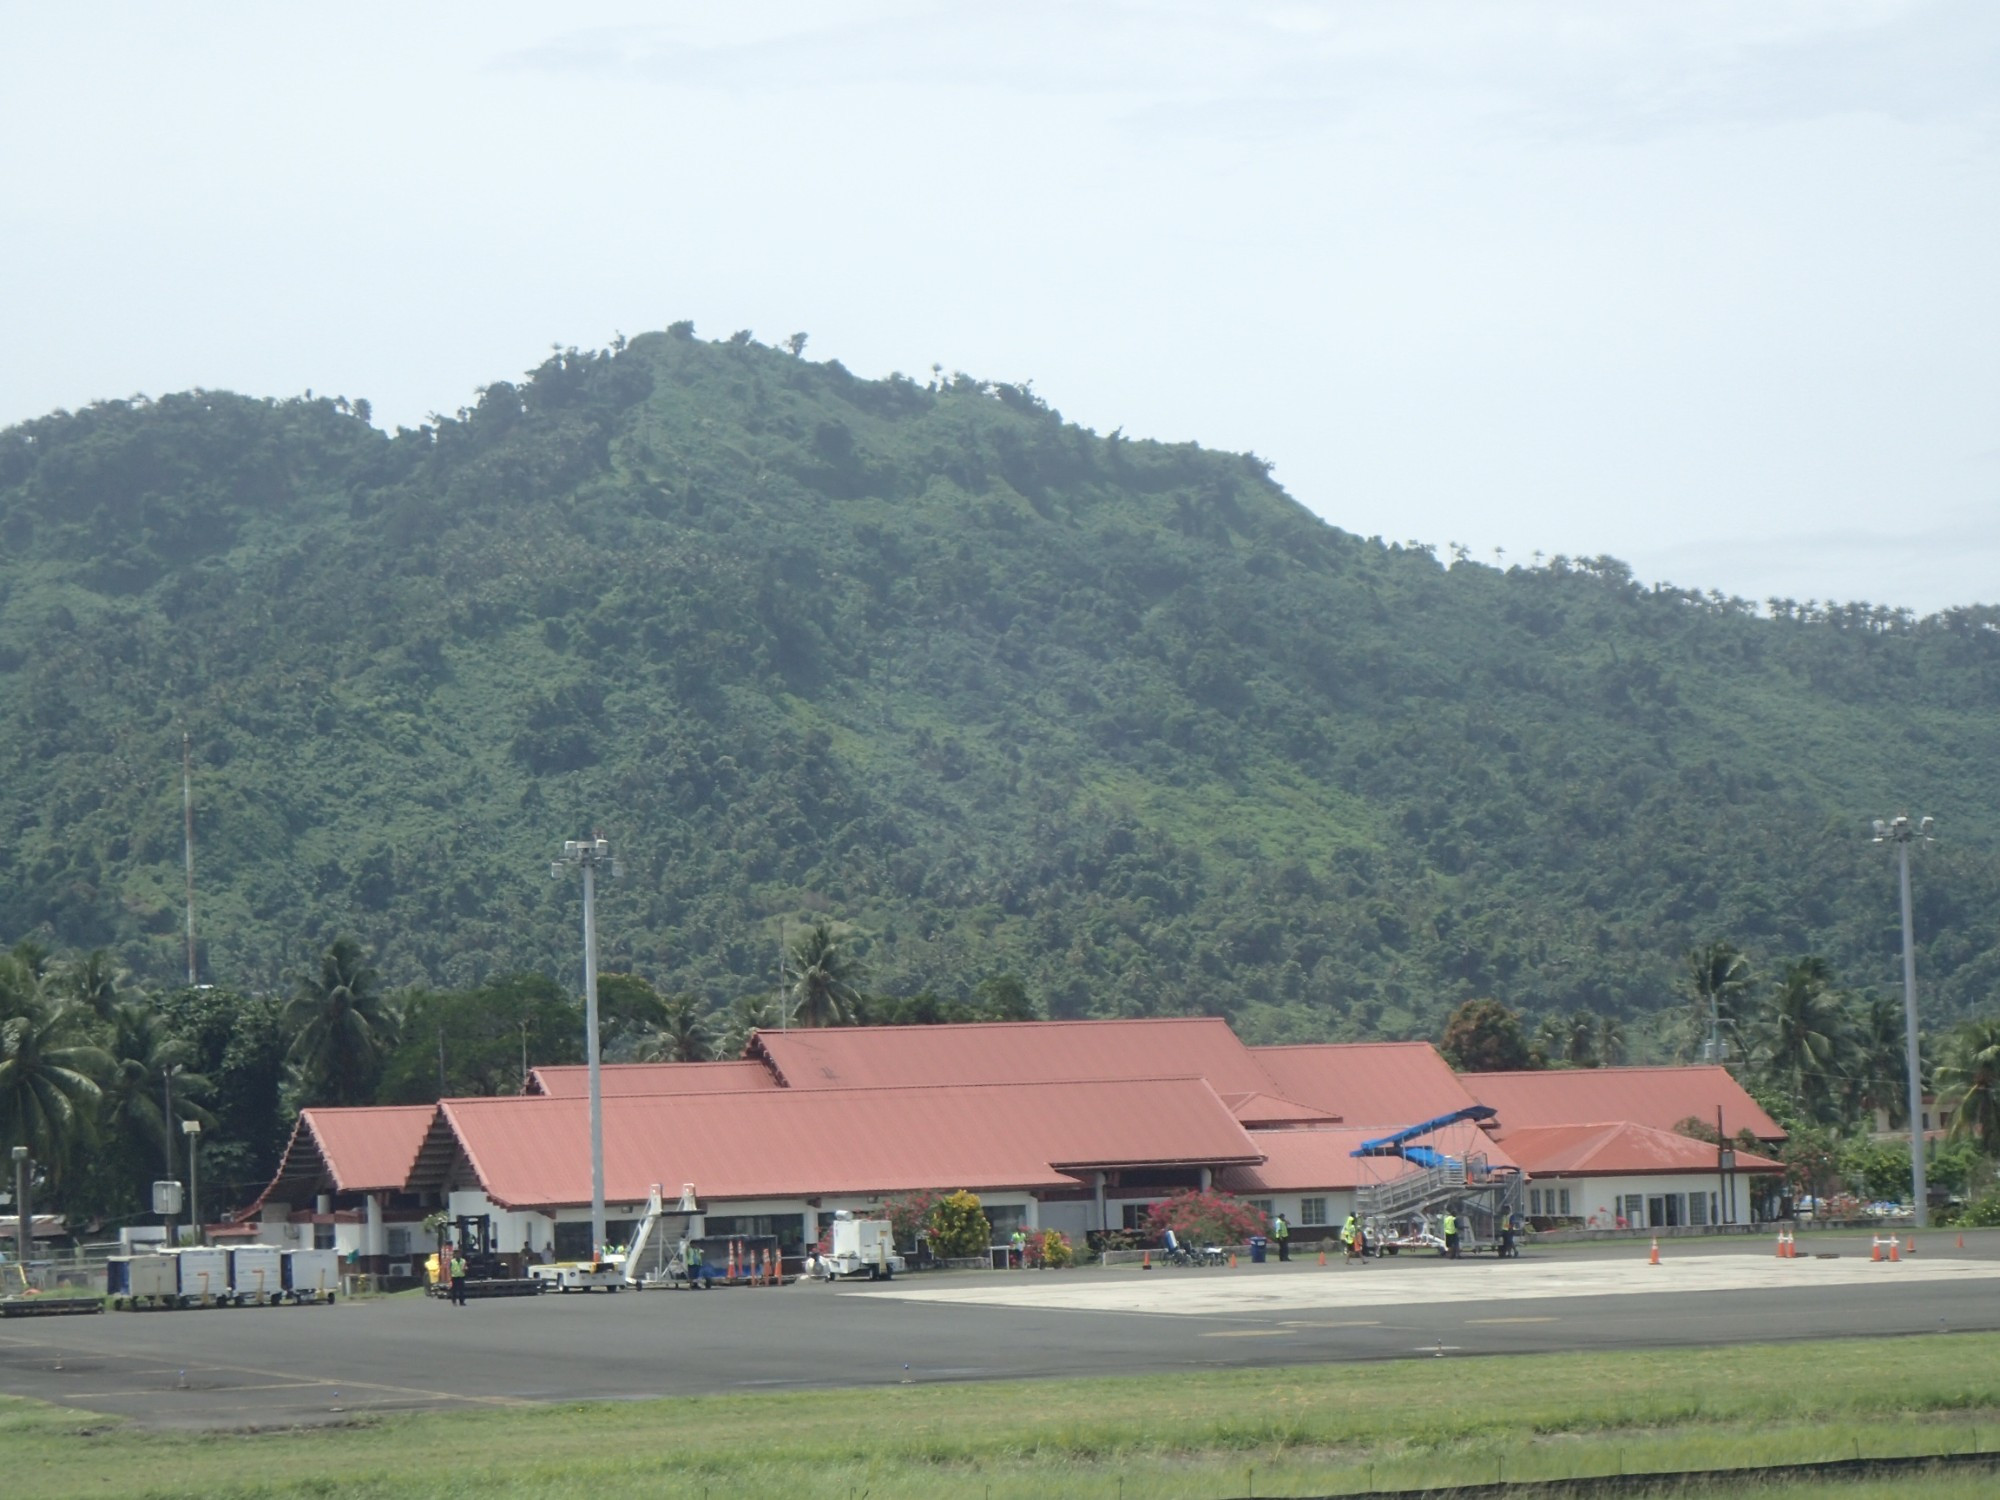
[{"x": 1209, "y": 1293}]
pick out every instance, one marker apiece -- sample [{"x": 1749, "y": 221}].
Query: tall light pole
[
  {"x": 1902, "y": 833},
  {"x": 590, "y": 856},
  {"x": 192, "y": 1130},
  {"x": 25, "y": 1227}
]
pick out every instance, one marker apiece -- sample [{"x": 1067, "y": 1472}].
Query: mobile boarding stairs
[{"x": 1406, "y": 1212}]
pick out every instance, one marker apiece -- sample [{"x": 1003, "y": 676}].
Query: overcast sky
[{"x": 1711, "y": 287}]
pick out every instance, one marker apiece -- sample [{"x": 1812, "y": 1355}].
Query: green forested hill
[{"x": 1119, "y": 717}]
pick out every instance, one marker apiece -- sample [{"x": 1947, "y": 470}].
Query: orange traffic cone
[
  {"x": 1875, "y": 1250},
  {"x": 1791, "y": 1245},
  {"x": 1146, "y": 1260},
  {"x": 1895, "y": 1250},
  {"x": 1781, "y": 1244},
  {"x": 1322, "y": 1257},
  {"x": 1232, "y": 1260},
  {"x": 1961, "y": 1242},
  {"x": 1654, "y": 1258},
  {"x": 1911, "y": 1247}
]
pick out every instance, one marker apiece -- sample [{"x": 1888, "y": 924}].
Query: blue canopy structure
[{"x": 1423, "y": 1156}]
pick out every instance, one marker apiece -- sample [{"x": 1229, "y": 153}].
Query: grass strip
[{"x": 1316, "y": 1430}]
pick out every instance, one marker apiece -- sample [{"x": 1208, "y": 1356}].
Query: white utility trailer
[
  {"x": 859, "y": 1247},
  {"x": 256, "y": 1274},
  {"x": 312, "y": 1275},
  {"x": 606, "y": 1275}
]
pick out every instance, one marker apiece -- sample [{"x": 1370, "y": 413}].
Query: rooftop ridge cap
[{"x": 991, "y": 1025}]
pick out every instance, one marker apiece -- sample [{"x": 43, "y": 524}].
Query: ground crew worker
[
  {"x": 1451, "y": 1235},
  {"x": 1282, "y": 1233},
  {"x": 1350, "y": 1236},
  {"x": 694, "y": 1269},
  {"x": 1020, "y": 1242},
  {"x": 458, "y": 1278}
]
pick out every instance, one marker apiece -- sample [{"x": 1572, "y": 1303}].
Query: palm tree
[
  {"x": 344, "y": 1028},
  {"x": 95, "y": 981},
  {"x": 1580, "y": 1040},
  {"x": 143, "y": 1057},
  {"x": 1970, "y": 1080},
  {"x": 1718, "y": 980},
  {"x": 824, "y": 977},
  {"x": 1801, "y": 1043},
  {"x": 682, "y": 1034},
  {"x": 745, "y": 1014},
  {"x": 1610, "y": 1042},
  {"x": 49, "y": 1090},
  {"x": 1878, "y": 1067}
]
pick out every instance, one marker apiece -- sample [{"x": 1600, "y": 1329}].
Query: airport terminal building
[{"x": 1073, "y": 1125}]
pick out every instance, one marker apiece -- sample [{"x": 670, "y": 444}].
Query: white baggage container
[
  {"x": 312, "y": 1275},
  {"x": 203, "y": 1274},
  {"x": 132, "y": 1279},
  {"x": 256, "y": 1273}
]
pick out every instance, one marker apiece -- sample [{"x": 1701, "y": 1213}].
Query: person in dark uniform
[{"x": 1282, "y": 1233}]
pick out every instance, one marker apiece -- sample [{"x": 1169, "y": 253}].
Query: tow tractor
[{"x": 859, "y": 1247}]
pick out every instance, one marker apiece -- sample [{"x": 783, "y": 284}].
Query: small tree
[
  {"x": 1209, "y": 1218},
  {"x": 910, "y": 1214},
  {"x": 1483, "y": 1036},
  {"x": 959, "y": 1226},
  {"x": 1050, "y": 1249}
]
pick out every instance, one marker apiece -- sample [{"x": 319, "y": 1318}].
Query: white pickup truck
[{"x": 860, "y": 1247}]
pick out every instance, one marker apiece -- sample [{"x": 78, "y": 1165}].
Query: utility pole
[
  {"x": 590, "y": 856},
  {"x": 1902, "y": 833},
  {"x": 192, "y": 1130},
  {"x": 167, "y": 1137}
]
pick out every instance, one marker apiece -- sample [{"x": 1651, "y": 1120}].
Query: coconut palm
[
  {"x": 745, "y": 1014},
  {"x": 1718, "y": 983},
  {"x": 49, "y": 1072},
  {"x": 1580, "y": 1040},
  {"x": 1801, "y": 1043},
  {"x": 1878, "y": 1062},
  {"x": 1969, "y": 1083},
  {"x": 94, "y": 981},
  {"x": 136, "y": 1084},
  {"x": 1610, "y": 1042},
  {"x": 682, "y": 1034},
  {"x": 823, "y": 976},
  {"x": 344, "y": 1028}
]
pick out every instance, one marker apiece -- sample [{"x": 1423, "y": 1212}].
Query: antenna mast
[{"x": 187, "y": 812}]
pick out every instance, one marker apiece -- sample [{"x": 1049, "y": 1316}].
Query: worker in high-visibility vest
[
  {"x": 1350, "y": 1236},
  {"x": 1282, "y": 1233},
  {"x": 1451, "y": 1234}
]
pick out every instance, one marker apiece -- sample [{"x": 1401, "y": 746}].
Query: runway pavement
[{"x": 283, "y": 1366}]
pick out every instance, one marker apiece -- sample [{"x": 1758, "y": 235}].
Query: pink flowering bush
[{"x": 1211, "y": 1218}]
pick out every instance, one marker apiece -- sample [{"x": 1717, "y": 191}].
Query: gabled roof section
[
  {"x": 1322, "y": 1160},
  {"x": 359, "y": 1150},
  {"x": 845, "y": 1057},
  {"x": 1262, "y": 1111},
  {"x": 1659, "y": 1097},
  {"x": 1619, "y": 1148},
  {"x": 572, "y": 1081},
  {"x": 782, "y": 1143},
  {"x": 1389, "y": 1084}
]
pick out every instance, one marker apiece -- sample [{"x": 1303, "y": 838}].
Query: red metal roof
[
  {"x": 572, "y": 1081},
  {"x": 1660, "y": 1097},
  {"x": 1013, "y": 1052},
  {"x": 784, "y": 1143},
  {"x": 1618, "y": 1149},
  {"x": 364, "y": 1149},
  {"x": 1313, "y": 1160},
  {"x": 1260, "y": 1110},
  {"x": 1367, "y": 1083}
]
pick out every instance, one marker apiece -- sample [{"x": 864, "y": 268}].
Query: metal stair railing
[{"x": 1386, "y": 1199}]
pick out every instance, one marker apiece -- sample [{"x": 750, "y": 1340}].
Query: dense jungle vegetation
[{"x": 1010, "y": 698}]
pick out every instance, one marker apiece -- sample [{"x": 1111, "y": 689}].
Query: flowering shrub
[
  {"x": 1211, "y": 1218},
  {"x": 909, "y": 1213},
  {"x": 1050, "y": 1248},
  {"x": 959, "y": 1227}
]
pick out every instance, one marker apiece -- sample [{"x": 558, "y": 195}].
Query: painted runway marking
[
  {"x": 1470, "y": 1321},
  {"x": 1250, "y": 1333},
  {"x": 1428, "y": 1285}
]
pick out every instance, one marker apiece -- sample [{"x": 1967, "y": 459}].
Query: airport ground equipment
[
  {"x": 171, "y": 1278},
  {"x": 487, "y": 1273},
  {"x": 311, "y": 1275},
  {"x": 653, "y": 1259},
  {"x": 1405, "y": 1212},
  {"x": 859, "y": 1247},
  {"x": 256, "y": 1274}
]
